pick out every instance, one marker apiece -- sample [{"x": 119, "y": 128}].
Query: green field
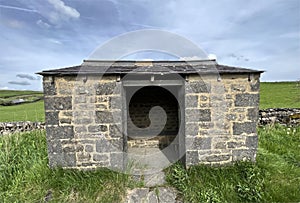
[
  {"x": 279, "y": 95},
  {"x": 12, "y": 93},
  {"x": 21, "y": 112}
]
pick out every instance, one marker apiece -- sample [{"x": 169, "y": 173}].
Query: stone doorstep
[
  {"x": 154, "y": 195},
  {"x": 150, "y": 177}
]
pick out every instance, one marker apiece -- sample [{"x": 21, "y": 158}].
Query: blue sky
[{"x": 44, "y": 34}]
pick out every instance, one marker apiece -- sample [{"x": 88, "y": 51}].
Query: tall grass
[
  {"x": 25, "y": 176},
  {"x": 241, "y": 182},
  {"x": 275, "y": 177},
  {"x": 279, "y": 155}
]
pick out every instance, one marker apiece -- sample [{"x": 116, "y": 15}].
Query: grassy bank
[
  {"x": 275, "y": 177},
  {"x": 279, "y": 95}
]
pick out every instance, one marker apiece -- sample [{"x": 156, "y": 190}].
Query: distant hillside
[{"x": 14, "y": 97}]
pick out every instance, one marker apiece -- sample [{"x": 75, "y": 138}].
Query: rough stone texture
[
  {"x": 58, "y": 103},
  {"x": 87, "y": 109},
  {"x": 152, "y": 197},
  {"x": 103, "y": 146},
  {"x": 62, "y": 159},
  {"x": 229, "y": 108},
  {"x": 106, "y": 88},
  {"x": 49, "y": 86},
  {"x": 166, "y": 194},
  {"x": 152, "y": 180},
  {"x": 117, "y": 161},
  {"x": 157, "y": 195},
  {"x": 14, "y": 127},
  {"x": 247, "y": 127},
  {"x": 191, "y": 101},
  {"x": 192, "y": 157},
  {"x": 115, "y": 131},
  {"x": 199, "y": 87},
  {"x": 247, "y": 100},
  {"x": 104, "y": 117},
  {"x": 97, "y": 128},
  {"x": 137, "y": 195},
  {"x": 100, "y": 157},
  {"x": 283, "y": 116},
  {"x": 244, "y": 154},
  {"x": 198, "y": 143},
  {"x": 59, "y": 132},
  {"x": 197, "y": 115},
  {"x": 252, "y": 142},
  {"x": 255, "y": 85},
  {"x": 253, "y": 114}
]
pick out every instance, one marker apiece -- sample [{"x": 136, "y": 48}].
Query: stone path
[{"x": 155, "y": 195}]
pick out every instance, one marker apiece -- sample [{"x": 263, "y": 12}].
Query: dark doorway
[
  {"x": 159, "y": 129},
  {"x": 154, "y": 136}
]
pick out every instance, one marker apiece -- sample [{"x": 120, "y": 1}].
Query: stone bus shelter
[{"x": 105, "y": 113}]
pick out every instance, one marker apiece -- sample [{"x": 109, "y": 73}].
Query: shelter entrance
[{"x": 153, "y": 122}]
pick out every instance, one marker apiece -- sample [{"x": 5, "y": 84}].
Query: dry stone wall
[
  {"x": 283, "y": 116},
  {"x": 23, "y": 126}
]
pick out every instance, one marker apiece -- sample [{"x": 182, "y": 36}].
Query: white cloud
[
  {"x": 27, "y": 76},
  {"x": 43, "y": 24},
  {"x": 61, "y": 12},
  {"x": 4, "y": 88}
]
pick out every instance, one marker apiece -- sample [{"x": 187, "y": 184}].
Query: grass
[
  {"x": 279, "y": 95},
  {"x": 25, "y": 176},
  {"x": 23, "y": 112},
  {"x": 275, "y": 177},
  {"x": 13, "y": 93},
  {"x": 279, "y": 155}
]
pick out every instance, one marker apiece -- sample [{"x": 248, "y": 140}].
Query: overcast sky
[{"x": 42, "y": 34}]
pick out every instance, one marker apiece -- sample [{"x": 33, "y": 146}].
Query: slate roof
[{"x": 148, "y": 67}]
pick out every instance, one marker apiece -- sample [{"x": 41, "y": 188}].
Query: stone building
[{"x": 105, "y": 113}]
